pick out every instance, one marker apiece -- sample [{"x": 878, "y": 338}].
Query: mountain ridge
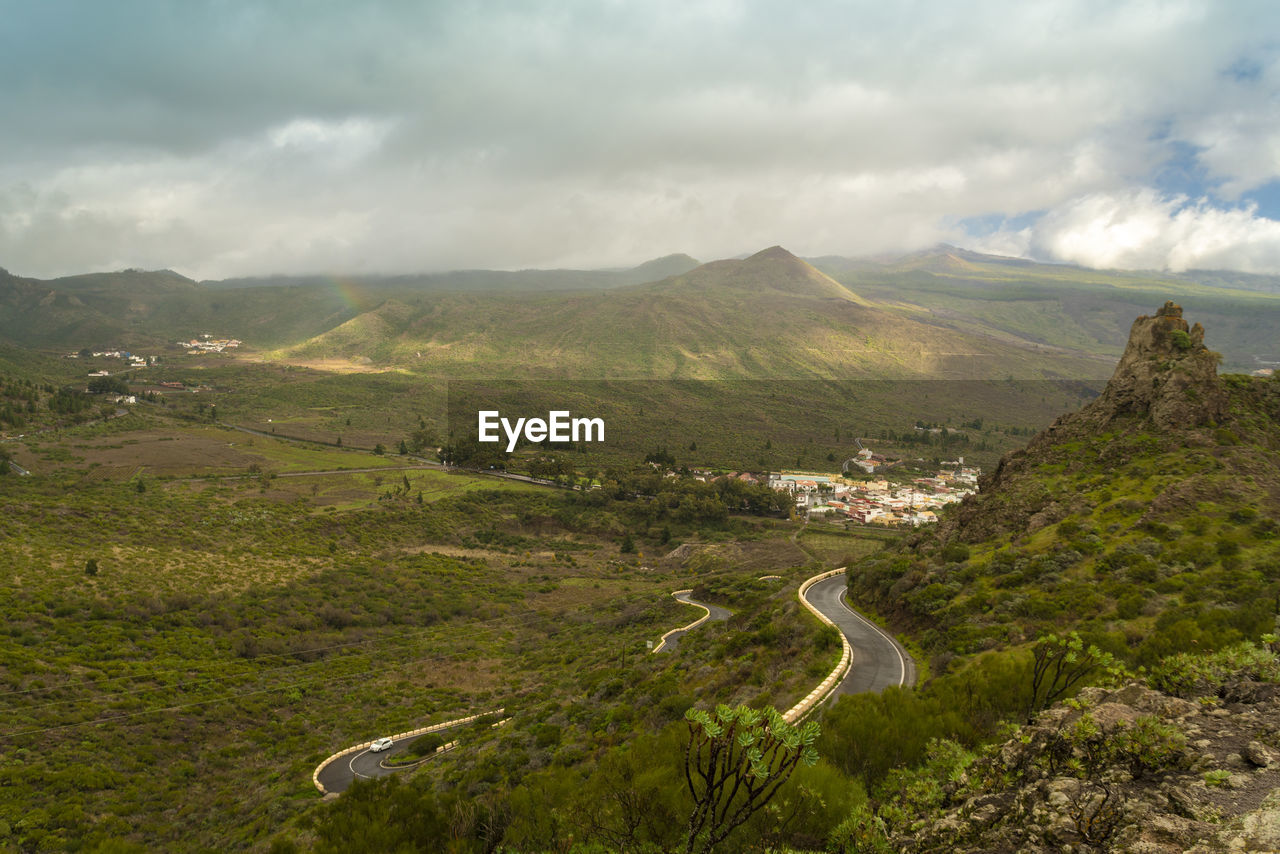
[{"x": 934, "y": 310}]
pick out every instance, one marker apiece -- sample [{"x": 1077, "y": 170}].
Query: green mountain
[
  {"x": 1066, "y": 306},
  {"x": 481, "y": 280},
  {"x": 1148, "y": 519},
  {"x": 770, "y": 315},
  {"x": 1132, "y": 547},
  {"x": 943, "y": 312}
]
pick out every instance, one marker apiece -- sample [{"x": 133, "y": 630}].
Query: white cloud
[
  {"x": 391, "y": 136},
  {"x": 1141, "y": 230}
]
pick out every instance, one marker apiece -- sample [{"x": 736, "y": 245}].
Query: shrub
[
  {"x": 426, "y": 745},
  {"x": 1203, "y": 674}
]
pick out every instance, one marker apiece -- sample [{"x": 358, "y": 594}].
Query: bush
[
  {"x": 426, "y": 745},
  {"x": 1205, "y": 674}
]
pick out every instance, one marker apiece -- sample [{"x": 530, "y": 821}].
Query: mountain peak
[
  {"x": 770, "y": 271},
  {"x": 773, "y": 253},
  {"x": 1166, "y": 373}
]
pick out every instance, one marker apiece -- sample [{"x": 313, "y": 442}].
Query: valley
[{"x": 296, "y": 544}]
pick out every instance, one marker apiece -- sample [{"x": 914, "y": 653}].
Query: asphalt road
[
  {"x": 717, "y": 613},
  {"x": 337, "y": 776},
  {"x": 879, "y": 661}
]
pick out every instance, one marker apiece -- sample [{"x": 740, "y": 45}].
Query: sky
[{"x": 222, "y": 138}]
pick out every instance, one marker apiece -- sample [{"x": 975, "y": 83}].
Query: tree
[
  {"x": 108, "y": 385},
  {"x": 628, "y": 544},
  {"x": 379, "y": 449},
  {"x": 424, "y": 438},
  {"x": 91, "y": 566},
  {"x": 1060, "y": 663},
  {"x": 736, "y": 761}
]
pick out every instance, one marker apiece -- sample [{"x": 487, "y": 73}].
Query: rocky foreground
[{"x": 1125, "y": 770}]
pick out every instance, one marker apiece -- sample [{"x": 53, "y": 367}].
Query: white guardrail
[
  {"x": 693, "y": 625},
  {"x": 817, "y": 695},
  {"x": 315, "y": 775}
]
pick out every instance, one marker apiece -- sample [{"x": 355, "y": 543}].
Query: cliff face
[{"x": 1166, "y": 382}]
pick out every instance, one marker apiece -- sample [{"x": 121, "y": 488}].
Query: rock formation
[
  {"x": 1166, "y": 374},
  {"x": 1166, "y": 382}
]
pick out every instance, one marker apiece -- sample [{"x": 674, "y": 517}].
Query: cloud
[
  {"x": 230, "y": 137},
  {"x": 1142, "y": 230}
]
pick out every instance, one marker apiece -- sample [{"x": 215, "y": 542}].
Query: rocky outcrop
[
  {"x": 1166, "y": 381},
  {"x": 1133, "y": 770},
  {"x": 1166, "y": 375}
]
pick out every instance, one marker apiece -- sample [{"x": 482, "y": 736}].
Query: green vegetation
[
  {"x": 196, "y": 615},
  {"x": 736, "y": 762},
  {"x": 238, "y": 629},
  {"x": 1165, "y": 544}
]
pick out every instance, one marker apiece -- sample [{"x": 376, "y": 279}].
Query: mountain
[
  {"x": 1133, "y": 547},
  {"x": 770, "y": 271},
  {"x": 1061, "y": 305},
  {"x": 769, "y": 315},
  {"x": 32, "y": 313},
  {"x": 1166, "y": 385},
  {"x": 477, "y": 280},
  {"x": 943, "y": 312},
  {"x": 1149, "y": 518}
]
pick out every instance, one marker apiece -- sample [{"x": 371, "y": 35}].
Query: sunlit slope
[
  {"x": 1060, "y": 305},
  {"x": 769, "y": 315}
]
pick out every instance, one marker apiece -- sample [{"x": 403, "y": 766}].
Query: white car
[{"x": 381, "y": 745}]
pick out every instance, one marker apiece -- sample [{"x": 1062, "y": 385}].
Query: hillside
[
  {"x": 1066, "y": 306},
  {"x": 945, "y": 312},
  {"x": 479, "y": 280},
  {"x": 32, "y": 314},
  {"x": 1133, "y": 540},
  {"x": 1147, "y": 519},
  {"x": 770, "y": 315}
]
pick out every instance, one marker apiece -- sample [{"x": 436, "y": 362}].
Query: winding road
[
  {"x": 714, "y": 612},
  {"x": 879, "y": 661},
  {"x": 338, "y": 775}
]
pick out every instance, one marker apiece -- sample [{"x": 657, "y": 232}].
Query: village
[
  {"x": 206, "y": 343},
  {"x": 870, "y": 500}
]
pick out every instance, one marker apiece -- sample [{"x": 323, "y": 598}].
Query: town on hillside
[{"x": 878, "y": 501}]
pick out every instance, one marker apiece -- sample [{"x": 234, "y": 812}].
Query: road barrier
[
  {"x": 693, "y": 625},
  {"x": 819, "y": 694},
  {"x": 444, "y": 748},
  {"x": 315, "y": 775}
]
